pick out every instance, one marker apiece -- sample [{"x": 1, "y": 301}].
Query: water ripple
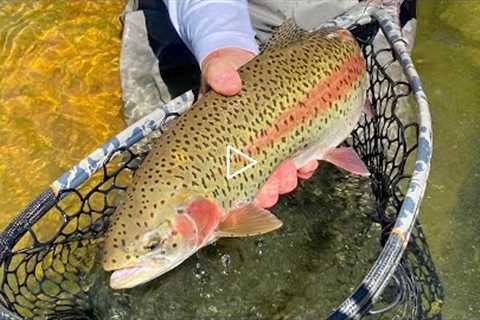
[{"x": 59, "y": 90}]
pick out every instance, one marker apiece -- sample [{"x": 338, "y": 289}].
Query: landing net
[{"x": 42, "y": 274}]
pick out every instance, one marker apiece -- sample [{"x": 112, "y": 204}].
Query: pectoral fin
[
  {"x": 248, "y": 221},
  {"x": 346, "y": 158}
]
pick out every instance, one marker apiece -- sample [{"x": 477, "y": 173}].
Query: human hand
[
  {"x": 219, "y": 70},
  {"x": 284, "y": 179}
]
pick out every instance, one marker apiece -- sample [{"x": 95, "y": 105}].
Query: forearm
[{"x": 207, "y": 25}]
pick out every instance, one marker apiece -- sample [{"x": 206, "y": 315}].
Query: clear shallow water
[
  {"x": 447, "y": 54},
  {"x": 60, "y": 98},
  {"x": 59, "y": 90}
]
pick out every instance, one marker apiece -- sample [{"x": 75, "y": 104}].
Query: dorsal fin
[
  {"x": 289, "y": 31},
  {"x": 286, "y": 33}
]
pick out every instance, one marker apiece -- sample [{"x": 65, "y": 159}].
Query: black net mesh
[
  {"x": 44, "y": 275},
  {"x": 41, "y": 277}
]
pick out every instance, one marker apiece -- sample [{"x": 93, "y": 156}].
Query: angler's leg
[{"x": 155, "y": 64}]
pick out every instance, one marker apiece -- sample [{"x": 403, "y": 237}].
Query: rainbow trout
[{"x": 302, "y": 96}]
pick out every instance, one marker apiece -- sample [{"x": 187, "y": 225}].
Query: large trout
[{"x": 301, "y": 98}]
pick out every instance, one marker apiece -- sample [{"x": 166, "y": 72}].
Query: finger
[
  {"x": 222, "y": 77},
  {"x": 267, "y": 196},
  {"x": 305, "y": 175},
  {"x": 307, "y": 171},
  {"x": 286, "y": 173},
  {"x": 310, "y": 166}
]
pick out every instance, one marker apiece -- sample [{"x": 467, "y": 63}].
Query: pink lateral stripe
[{"x": 318, "y": 100}]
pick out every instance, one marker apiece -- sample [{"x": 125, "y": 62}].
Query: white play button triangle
[{"x": 233, "y": 152}]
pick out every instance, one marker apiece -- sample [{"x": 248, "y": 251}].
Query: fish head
[{"x": 140, "y": 248}]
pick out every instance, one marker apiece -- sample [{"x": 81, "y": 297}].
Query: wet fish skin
[{"x": 300, "y": 99}]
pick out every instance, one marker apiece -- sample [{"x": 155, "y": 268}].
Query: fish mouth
[{"x": 126, "y": 278}]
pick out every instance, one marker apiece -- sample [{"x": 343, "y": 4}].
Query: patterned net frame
[{"x": 42, "y": 273}]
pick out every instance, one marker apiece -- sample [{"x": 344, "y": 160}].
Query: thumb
[
  {"x": 219, "y": 69},
  {"x": 222, "y": 76}
]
